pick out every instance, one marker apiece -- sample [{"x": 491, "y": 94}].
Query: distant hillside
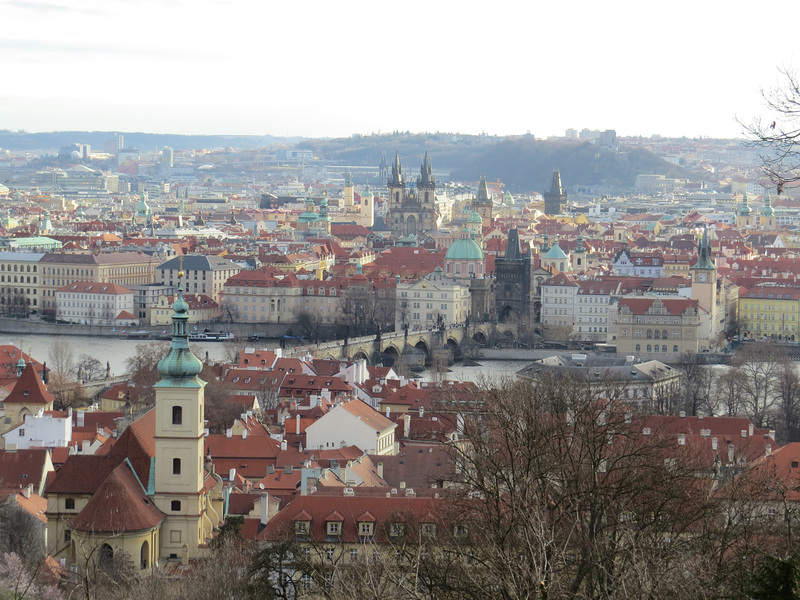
[
  {"x": 523, "y": 163},
  {"x": 53, "y": 140}
]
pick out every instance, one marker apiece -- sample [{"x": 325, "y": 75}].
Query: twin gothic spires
[{"x": 425, "y": 179}]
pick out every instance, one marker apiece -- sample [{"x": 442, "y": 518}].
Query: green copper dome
[
  {"x": 464, "y": 249},
  {"x": 767, "y": 211},
  {"x": 179, "y": 363},
  {"x": 474, "y": 218},
  {"x": 555, "y": 252},
  {"x": 744, "y": 210}
]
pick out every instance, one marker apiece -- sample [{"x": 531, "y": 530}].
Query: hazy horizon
[{"x": 318, "y": 69}]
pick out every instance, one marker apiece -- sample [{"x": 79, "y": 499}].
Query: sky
[{"x": 328, "y": 69}]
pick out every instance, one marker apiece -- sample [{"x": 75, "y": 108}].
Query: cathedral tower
[{"x": 556, "y": 197}]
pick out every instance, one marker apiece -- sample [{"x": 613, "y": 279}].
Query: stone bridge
[{"x": 412, "y": 348}]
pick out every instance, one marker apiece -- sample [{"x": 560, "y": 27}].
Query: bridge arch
[
  {"x": 361, "y": 354},
  {"x": 423, "y": 345},
  {"x": 479, "y": 337}
]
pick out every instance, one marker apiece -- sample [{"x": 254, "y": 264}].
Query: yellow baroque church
[{"x": 148, "y": 496}]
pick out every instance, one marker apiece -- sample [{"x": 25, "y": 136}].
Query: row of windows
[
  {"x": 650, "y": 348},
  {"x": 21, "y": 279},
  {"x": 21, "y": 269}
]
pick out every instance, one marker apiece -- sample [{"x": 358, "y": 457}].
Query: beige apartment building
[
  {"x": 203, "y": 274},
  {"x": 20, "y": 282},
  {"x": 123, "y": 268},
  {"x": 660, "y": 327}
]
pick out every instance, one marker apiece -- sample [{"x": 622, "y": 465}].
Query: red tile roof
[
  {"x": 19, "y": 468},
  {"x": 29, "y": 389},
  {"x": 120, "y": 504},
  {"x": 319, "y": 508}
]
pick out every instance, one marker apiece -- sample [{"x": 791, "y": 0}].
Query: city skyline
[{"x": 322, "y": 70}]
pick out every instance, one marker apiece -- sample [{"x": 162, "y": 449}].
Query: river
[{"x": 115, "y": 351}]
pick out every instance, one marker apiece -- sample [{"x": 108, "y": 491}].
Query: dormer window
[
  {"x": 397, "y": 530},
  {"x": 366, "y": 528},
  {"x": 302, "y": 527},
  {"x": 334, "y": 528}
]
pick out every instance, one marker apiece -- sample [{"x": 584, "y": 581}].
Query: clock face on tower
[{"x": 702, "y": 277}]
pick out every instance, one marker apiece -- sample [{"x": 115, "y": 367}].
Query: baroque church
[
  {"x": 411, "y": 211},
  {"x": 150, "y": 495}
]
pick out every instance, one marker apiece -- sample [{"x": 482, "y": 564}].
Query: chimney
[
  {"x": 768, "y": 450},
  {"x": 297, "y": 424},
  {"x": 287, "y": 470},
  {"x": 388, "y": 411},
  {"x": 26, "y": 491},
  {"x": 232, "y": 475},
  {"x": 730, "y": 453},
  {"x": 270, "y": 469},
  {"x": 244, "y": 434},
  {"x": 229, "y": 433},
  {"x": 81, "y": 418},
  {"x": 421, "y": 412},
  {"x": 682, "y": 414},
  {"x": 264, "y": 508},
  {"x": 714, "y": 443},
  {"x": 283, "y": 445},
  {"x": 380, "y": 470},
  {"x": 751, "y": 429}
]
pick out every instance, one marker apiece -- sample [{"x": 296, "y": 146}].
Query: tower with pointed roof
[
  {"x": 483, "y": 204},
  {"x": 579, "y": 256},
  {"x": 704, "y": 278},
  {"x": 348, "y": 193},
  {"x": 745, "y": 218},
  {"x": 518, "y": 281},
  {"x": 556, "y": 197},
  {"x": 179, "y": 436},
  {"x": 767, "y": 219},
  {"x": 367, "y": 211}
]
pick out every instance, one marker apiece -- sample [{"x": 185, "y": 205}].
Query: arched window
[
  {"x": 664, "y": 334},
  {"x": 638, "y": 347},
  {"x": 144, "y": 555},
  {"x": 649, "y": 348},
  {"x": 649, "y": 333},
  {"x": 176, "y": 466},
  {"x": 106, "y": 558},
  {"x": 177, "y": 415},
  {"x": 656, "y": 334}
]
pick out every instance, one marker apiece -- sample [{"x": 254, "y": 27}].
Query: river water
[{"x": 115, "y": 351}]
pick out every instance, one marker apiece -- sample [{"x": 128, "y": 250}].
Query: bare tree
[
  {"x": 778, "y": 134},
  {"x": 143, "y": 368},
  {"x": 89, "y": 368},
  {"x": 698, "y": 385},
  {"x": 788, "y": 392},
  {"x": 564, "y": 496},
  {"x": 760, "y": 367}
]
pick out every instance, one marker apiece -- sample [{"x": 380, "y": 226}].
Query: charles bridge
[{"x": 439, "y": 345}]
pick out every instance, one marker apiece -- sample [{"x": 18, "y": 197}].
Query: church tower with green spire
[
  {"x": 348, "y": 193},
  {"x": 704, "y": 279},
  {"x": 744, "y": 218},
  {"x": 767, "y": 219},
  {"x": 178, "y": 486}
]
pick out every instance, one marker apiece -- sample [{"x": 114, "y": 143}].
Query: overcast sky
[{"x": 325, "y": 68}]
